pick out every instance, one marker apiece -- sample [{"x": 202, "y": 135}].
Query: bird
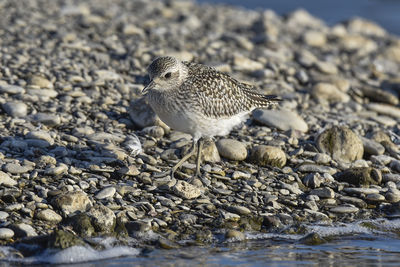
[{"x": 199, "y": 100}]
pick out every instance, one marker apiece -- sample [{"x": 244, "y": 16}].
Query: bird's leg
[
  {"x": 198, "y": 160},
  {"x": 184, "y": 158}
]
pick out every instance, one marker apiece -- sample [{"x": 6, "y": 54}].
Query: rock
[
  {"x": 6, "y": 180},
  {"x": 341, "y": 144},
  {"x": 235, "y": 235},
  {"x": 312, "y": 180},
  {"x": 372, "y": 147},
  {"x": 3, "y": 215},
  {"x": 142, "y": 114},
  {"x": 344, "y": 209},
  {"x": 384, "y": 109},
  {"x": 316, "y": 168},
  {"x": 328, "y": 92},
  {"x": 56, "y": 171},
  {"x": 107, "y": 192},
  {"x": 72, "y": 202},
  {"x": 268, "y": 156},
  {"x": 23, "y": 230},
  {"x": 185, "y": 190},
  {"x": 103, "y": 219},
  {"x": 392, "y": 195},
  {"x": 82, "y": 225},
  {"x": 374, "y": 198},
  {"x": 245, "y": 64},
  {"x": 360, "y": 176},
  {"x": 154, "y": 131},
  {"x": 326, "y": 67},
  {"x": 324, "y": 192},
  {"x": 11, "y": 89},
  {"x": 282, "y": 119},
  {"x": 392, "y": 53},
  {"x": 14, "y": 168},
  {"x": 15, "y": 109},
  {"x": 6, "y": 233},
  {"x": 210, "y": 152},
  {"x": 363, "y": 26},
  {"x": 40, "y": 81},
  {"x": 379, "y": 95},
  {"x": 50, "y": 120},
  {"x": 60, "y": 239},
  {"x": 241, "y": 210},
  {"x": 314, "y": 38},
  {"x": 41, "y": 135},
  {"x": 360, "y": 191},
  {"x": 232, "y": 149},
  {"x": 49, "y": 216},
  {"x": 312, "y": 239}
]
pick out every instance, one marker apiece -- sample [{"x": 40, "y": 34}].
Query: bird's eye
[{"x": 168, "y": 75}]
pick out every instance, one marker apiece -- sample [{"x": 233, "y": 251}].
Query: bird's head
[{"x": 165, "y": 73}]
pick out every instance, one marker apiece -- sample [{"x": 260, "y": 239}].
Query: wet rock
[
  {"x": 341, "y": 144},
  {"x": 281, "y": 119},
  {"x": 360, "y": 176},
  {"x": 60, "y": 239},
  {"x": 268, "y": 156},
  {"x": 72, "y": 202},
  {"x": 103, "y": 219},
  {"x": 235, "y": 235},
  {"x": 81, "y": 223},
  {"x": 312, "y": 239},
  {"x": 232, "y": 149}
]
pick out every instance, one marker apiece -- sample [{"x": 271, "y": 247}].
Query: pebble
[
  {"x": 314, "y": 38},
  {"x": 359, "y": 191},
  {"x": 344, "y": 209},
  {"x": 49, "y": 216},
  {"x": 282, "y": 119},
  {"x": 384, "y": 109},
  {"x": 235, "y": 235},
  {"x": 6, "y": 180},
  {"x": 14, "y": 168},
  {"x": 361, "y": 176},
  {"x": 107, "y": 192},
  {"x": 324, "y": 192},
  {"x": 41, "y": 135},
  {"x": 341, "y": 144},
  {"x": 328, "y": 92},
  {"x": 185, "y": 190},
  {"x": 15, "y": 109},
  {"x": 23, "y": 230},
  {"x": 102, "y": 217},
  {"x": 232, "y": 149},
  {"x": 50, "y": 120},
  {"x": 72, "y": 202},
  {"x": 268, "y": 156},
  {"x": 371, "y": 147},
  {"x": 6, "y": 233},
  {"x": 3, "y": 215},
  {"x": 11, "y": 89}
]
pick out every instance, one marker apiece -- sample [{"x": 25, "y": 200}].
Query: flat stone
[
  {"x": 6, "y": 233},
  {"x": 6, "y": 180},
  {"x": 23, "y": 230},
  {"x": 375, "y": 198},
  {"x": 50, "y": 120},
  {"x": 241, "y": 210},
  {"x": 309, "y": 167},
  {"x": 360, "y": 190},
  {"x": 344, "y": 209},
  {"x": 49, "y": 216},
  {"x": 41, "y": 135},
  {"x": 55, "y": 171},
  {"x": 11, "y": 89},
  {"x": 107, "y": 192},
  {"x": 384, "y": 109},
  {"x": 15, "y": 109},
  {"x": 232, "y": 149},
  {"x": 186, "y": 190},
  {"x": 16, "y": 168},
  {"x": 314, "y": 38},
  {"x": 40, "y": 81},
  {"x": 360, "y": 176},
  {"x": 324, "y": 192},
  {"x": 372, "y": 147},
  {"x": 282, "y": 119}
]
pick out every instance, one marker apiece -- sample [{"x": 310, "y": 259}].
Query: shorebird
[{"x": 199, "y": 100}]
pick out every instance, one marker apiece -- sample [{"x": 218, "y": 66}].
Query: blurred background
[{"x": 384, "y": 12}]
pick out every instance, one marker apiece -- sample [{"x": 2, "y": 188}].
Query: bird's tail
[{"x": 262, "y": 101}]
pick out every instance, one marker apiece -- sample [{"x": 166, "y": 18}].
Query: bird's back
[{"x": 220, "y": 96}]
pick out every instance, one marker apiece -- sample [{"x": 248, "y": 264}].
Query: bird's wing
[{"x": 220, "y": 95}]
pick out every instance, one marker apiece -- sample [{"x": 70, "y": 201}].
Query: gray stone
[
  {"x": 23, "y": 230},
  {"x": 6, "y": 233},
  {"x": 3, "y": 215},
  {"x": 103, "y": 218},
  {"x": 50, "y": 120},
  {"x": 16, "y": 168},
  {"x": 372, "y": 147},
  {"x": 344, "y": 209},
  {"x": 107, "y": 192},
  {"x": 308, "y": 167},
  {"x": 232, "y": 149},
  {"x": 281, "y": 119},
  {"x": 11, "y": 89},
  {"x": 41, "y": 135},
  {"x": 360, "y": 176},
  {"x": 328, "y": 92},
  {"x": 15, "y": 109},
  {"x": 49, "y": 216},
  {"x": 324, "y": 192},
  {"x": 6, "y": 180},
  {"x": 312, "y": 180},
  {"x": 55, "y": 171},
  {"x": 384, "y": 109}
]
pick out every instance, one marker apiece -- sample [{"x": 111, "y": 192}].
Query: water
[
  {"x": 384, "y": 12},
  {"x": 365, "y": 243}
]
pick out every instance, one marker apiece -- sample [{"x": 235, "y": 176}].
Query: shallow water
[{"x": 365, "y": 243}]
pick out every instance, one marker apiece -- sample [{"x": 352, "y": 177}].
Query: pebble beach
[{"x": 80, "y": 148}]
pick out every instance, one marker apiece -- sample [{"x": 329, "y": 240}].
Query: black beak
[{"x": 148, "y": 87}]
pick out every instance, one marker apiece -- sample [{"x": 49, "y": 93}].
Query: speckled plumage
[{"x": 198, "y": 99}]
